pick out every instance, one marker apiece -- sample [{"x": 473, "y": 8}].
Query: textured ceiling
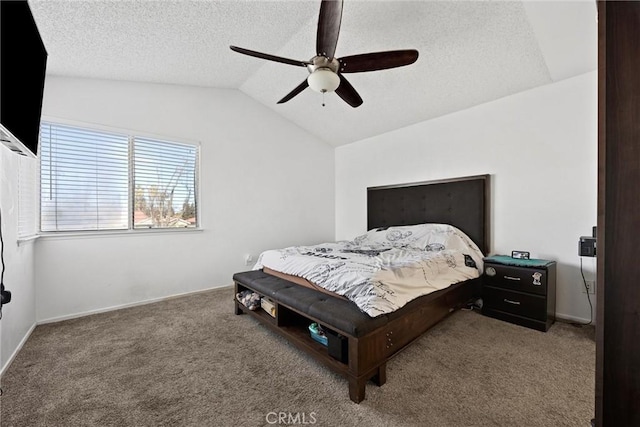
[{"x": 470, "y": 52}]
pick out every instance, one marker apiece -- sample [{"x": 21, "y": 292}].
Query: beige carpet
[{"x": 190, "y": 362}]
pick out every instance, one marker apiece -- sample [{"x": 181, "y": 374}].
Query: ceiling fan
[{"x": 326, "y": 71}]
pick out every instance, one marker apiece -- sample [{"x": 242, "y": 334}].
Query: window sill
[
  {"x": 29, "y": 239},
  {"x": 115, "y": 233}
]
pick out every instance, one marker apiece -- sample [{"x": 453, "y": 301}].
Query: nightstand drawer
[
  {"x": 517, "y": 278},
  {"x": 527, "y": 305}
]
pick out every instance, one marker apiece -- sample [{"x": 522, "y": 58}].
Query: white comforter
[{"x": 383, "y": 270}]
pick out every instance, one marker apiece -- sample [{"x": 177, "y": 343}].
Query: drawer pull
[
  {"x": 512, "y": 302},
  {"x": 512, "y": 278}
]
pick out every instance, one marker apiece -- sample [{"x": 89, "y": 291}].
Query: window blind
[
  {"x": 164, "y": 184},
  {"x": 84, "y": 179},
  {"x": 27, "y": 197}
]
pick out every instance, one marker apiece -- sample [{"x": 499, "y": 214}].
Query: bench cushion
[{"x": 340, "y": 315}]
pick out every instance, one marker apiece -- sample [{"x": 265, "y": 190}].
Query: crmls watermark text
[{"x": 291, "y": 418}]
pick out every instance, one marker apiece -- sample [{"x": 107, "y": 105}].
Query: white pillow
[
  {"x": 375, "y": 237},
  {"x": 436, "y": 237},
  {"x": 427, "y": 237},
  {"x": 407, "y": 236}
]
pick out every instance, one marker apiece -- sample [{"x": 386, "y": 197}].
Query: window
[{"x": 96, "y": 180}]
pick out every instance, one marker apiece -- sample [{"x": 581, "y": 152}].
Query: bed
[{"x": 360, "y": 344}]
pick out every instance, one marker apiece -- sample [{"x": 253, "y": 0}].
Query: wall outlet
[
  {"x": 591, "y": 286},
  {"x": 248, "y": 259}
]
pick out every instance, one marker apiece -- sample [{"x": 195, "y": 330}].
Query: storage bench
[
  {"x": 297, "y": 307},
  {"x": 370, "y": 341}
]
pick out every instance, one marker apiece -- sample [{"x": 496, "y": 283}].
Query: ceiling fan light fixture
[{"x": 323, "y": 80}]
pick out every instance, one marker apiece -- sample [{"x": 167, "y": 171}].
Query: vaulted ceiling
[{"x": 470, "y": 52}]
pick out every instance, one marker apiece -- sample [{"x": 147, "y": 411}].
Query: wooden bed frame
[{"x": 462, "y": 202}]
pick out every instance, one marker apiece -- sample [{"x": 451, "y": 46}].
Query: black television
[{"x": 23, "y": 63}]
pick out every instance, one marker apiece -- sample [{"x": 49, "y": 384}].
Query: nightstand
[{"x": 520, "y": 291}]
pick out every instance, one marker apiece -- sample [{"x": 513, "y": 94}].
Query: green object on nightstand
[{"x": 507, "y": 260}]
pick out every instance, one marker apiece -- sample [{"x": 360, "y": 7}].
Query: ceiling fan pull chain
[{"x": 323, "y": 98}]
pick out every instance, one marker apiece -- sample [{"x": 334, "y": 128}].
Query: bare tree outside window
[{"x": 164, "y": 184}]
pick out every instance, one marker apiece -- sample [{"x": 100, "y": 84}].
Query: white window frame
[{"x": 130, "y": 230}]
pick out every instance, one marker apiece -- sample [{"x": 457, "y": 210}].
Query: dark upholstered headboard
[{"x": 461, "y": 202}]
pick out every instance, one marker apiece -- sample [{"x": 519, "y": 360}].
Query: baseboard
[
  {"x": 572, "y": 319},
  {"x": 121, "y": 306},
  {"x": 17, "y": 350}
]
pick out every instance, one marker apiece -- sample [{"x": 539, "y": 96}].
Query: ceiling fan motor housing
[{"x": 323, "y": 62}]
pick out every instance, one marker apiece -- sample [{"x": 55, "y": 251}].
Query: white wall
[
  {"x": 540, "y": 147},
  {"x": 19, "y": 316},
  {"x": 260, "y": 188}
]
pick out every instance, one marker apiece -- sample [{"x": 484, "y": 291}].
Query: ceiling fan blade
[
  {"x": 348, "y": 93},
  {"x": 302, "y": 86},
  {"x": 328, "y": 27},
  {"x": 377, "y": 61},
  {"x": 269, "y": 57}
]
